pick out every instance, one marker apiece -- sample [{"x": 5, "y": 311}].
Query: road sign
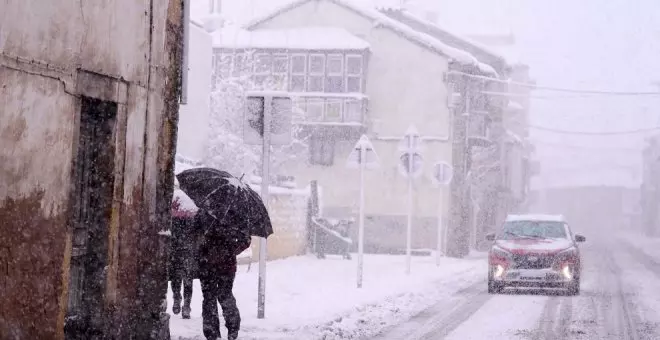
[
  {"x": 280, "y": 122},
  {"x": 362, "y": 157},
  {"x": 369, "y": 157},
  {"x": 408, "y": 168},
  {"x": 442, "y": 173},
  {"x": 411, "y": 140}
]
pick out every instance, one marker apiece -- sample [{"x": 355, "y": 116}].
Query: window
[
  {"x": 316, "y": 73},
  {"x": 280, "y": 71},
  {"x": 223, "y": 66},
  {"x": 263, "y": 67},
  {"x": 335, "y": 78},
  {"x": 315, "y": 109},
  {"x": 353, "y": 110},
  {"x": 238, "y": 68},
  {"x": 533, "y": 229},
  {"x": 354, "y": 73},
  {"x": 333, "y": 110},
  {"x": 298, "y": 72},
  {"x": 322, "y": 149}
]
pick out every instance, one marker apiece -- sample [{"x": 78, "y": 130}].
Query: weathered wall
[
  {"x": 405, "y": 84},
  {"x": 41, "y": 83}
]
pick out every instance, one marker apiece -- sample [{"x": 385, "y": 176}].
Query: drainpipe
[{"x": 186, "y": 48}]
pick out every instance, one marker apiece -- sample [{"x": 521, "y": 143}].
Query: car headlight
[{"x": 569, "y": 255}]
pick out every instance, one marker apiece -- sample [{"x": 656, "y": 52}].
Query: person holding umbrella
[{"x": 230, "y": 212}]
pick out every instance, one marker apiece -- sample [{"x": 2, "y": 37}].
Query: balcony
[{"x": 329, "y": 109}]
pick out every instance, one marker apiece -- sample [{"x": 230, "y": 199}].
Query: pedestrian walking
[
  {"x": 220, "y": 243},
  {"x": 230, "y": 212},
  {"x": 182, "y": 258}
]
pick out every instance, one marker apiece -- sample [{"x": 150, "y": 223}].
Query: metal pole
[
  {"x": 472, "y": 226},
  {"x": 362, "y": 160},
  {"x": 265, "y": 183},
  {"x": 440, "y": 232},
  {"x": 410, "y": 209}
]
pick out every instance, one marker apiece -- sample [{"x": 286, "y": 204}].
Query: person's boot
[
  {"x": 233, "y": 335},
  {"x": 176, "y": 307},
  {"x": 185, "y": 313}
]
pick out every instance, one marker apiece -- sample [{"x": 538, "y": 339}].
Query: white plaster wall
[
  {"x": 405, "y": 85},
  {"x": 194, "y": 116}
]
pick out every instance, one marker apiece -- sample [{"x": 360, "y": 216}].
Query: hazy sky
[{"x": 581, "y": 44}]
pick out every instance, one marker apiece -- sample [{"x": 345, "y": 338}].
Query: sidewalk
[{"x": 308, "y": 298}]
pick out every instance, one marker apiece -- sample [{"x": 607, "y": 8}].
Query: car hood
[{"x": 536, "y": 246}]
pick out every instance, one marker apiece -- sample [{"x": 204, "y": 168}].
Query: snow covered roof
[
  {"x": 303, "y": 38},
  {"x": 383, "y": 20},
  {"x": 535, "y": 217},
  {"x": 443, "y": 34}
]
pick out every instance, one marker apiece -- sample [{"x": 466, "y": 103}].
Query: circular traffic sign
[{"x": 442, "y": 173}]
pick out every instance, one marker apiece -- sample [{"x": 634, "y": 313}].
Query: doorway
[{"x": 94, "y": 183}]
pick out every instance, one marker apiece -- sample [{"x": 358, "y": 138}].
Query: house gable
[{"x": 381, "y": 20}]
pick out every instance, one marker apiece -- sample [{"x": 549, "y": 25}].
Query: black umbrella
[{"x": 220, "y": 193}]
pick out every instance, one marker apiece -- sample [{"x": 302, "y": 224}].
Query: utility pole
[{"x": 458, "y": 232}]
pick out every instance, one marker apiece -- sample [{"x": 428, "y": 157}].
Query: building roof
[
  {"x": 303, "y": 38},
  {"x": 383, "y": 20},
  {"x": 483, "y": 53}
]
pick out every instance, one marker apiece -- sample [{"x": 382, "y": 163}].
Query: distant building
[
  {"x": 89, "y": 94},
  {"x": 354, "y": 70}
]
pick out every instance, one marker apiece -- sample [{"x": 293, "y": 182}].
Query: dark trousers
[
  {"x": 181, "y": 273},
  {"x": 218, "y": 289},
  {"x": 187, "y": 289}
]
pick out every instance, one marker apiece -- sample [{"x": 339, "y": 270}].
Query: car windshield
[{"x": 532, "y": 229}]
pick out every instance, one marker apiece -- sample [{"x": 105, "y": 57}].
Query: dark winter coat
[
  {"x": 183, "y": 245},
  {"x": 220, "y": 243}
]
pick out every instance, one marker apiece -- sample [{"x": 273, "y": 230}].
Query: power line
[
  {"x": 587, "y": 133},
  {"x": 587, "y": 148},
  {"x": 558, "y": 89}
]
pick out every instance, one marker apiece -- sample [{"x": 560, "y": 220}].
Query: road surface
[{"x": 620, "y": 299}]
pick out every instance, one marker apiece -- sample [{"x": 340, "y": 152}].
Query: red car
[{"x": 534, "y": 251}]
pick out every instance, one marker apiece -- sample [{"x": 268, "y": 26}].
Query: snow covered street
[
  {"x": 619, "y": 300},
  {"x": 308, "y": 298}
]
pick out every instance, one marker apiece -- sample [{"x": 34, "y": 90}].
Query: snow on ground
[
  {"x": 308, "y": 298},
  {"x": 650, "y": 245},
  {"x": 515, "y": 313}
]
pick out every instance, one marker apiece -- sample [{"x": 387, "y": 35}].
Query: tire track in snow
[
  {"x": 439, "y": 320},
  {"x": 622, "y": 309},
  {"x": 556, "y": 318}
]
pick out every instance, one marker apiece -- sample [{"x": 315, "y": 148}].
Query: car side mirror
[
  {"x": 580, "y": 238},
  {"x": 490, "y": 237}
]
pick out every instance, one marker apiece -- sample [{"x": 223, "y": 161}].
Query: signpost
[
  {"x": 267, "y": 122},
  {"x": 410, "y": 166},
  {"x": 442, "y": 176},
  {"x": 363, "y": 157}
]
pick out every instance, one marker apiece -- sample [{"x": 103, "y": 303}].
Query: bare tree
[{"x": 227, "y": 149}]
